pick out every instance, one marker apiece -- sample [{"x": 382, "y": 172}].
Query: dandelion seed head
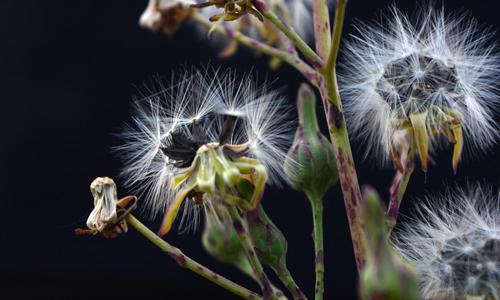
[
  {"x": 443, "y": 65},
  {"x": 453, "y": 243},
  {"x": 195, "y": 112}
]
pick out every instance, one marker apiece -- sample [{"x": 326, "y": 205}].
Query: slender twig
[
  {"x": 322, "y": 33},
  {"x": 289, "y": 57},
  {"x": 317, "y": 209},
  {"x": 340, "y": 139},
  {"x": 188, "y": 263},
  {"x": 241, "y": 230},
  {"x": 287, "y": 279},
  {"x": 397, "y": 191},
  {"x": 289, "y": 32}
]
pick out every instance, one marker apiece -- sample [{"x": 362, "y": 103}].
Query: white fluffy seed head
[
  {"x": 207, "y": 98},
  {"x": 436, "y": 63},
  {"x": 455, "y": 244}
]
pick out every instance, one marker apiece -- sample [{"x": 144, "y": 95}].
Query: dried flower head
[
  {"x": 435, "y": 79},
  {"x": 194, "y": 143},
  {"x": 231, "y": 9},
  {"x": 108, "y": 216},
  {"x": 166, "y": 15},
  {"x": 455, "y": 244}
]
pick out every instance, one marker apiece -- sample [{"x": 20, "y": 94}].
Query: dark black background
[{"x": 68, "y": 70}]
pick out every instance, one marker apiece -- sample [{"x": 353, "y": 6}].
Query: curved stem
[
  {"x": 286, "y": 277},
  {"x": 290, "y": 58},
  {"x": 289, "y": 32},
  {"x": 188, "y": 263},
  {"x": 242, "y": 232},
  {"x": 317, "y": 209}
]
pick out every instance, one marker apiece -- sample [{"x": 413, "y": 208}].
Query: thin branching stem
[
  {"x": 242, "y": 231},
  {"x": 290, "y": 58},
  {"x": 188, "y": 263},
  {"x": 288, "y": 30}
]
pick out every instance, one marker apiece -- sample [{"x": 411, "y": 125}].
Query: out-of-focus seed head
[{"x": 455, "y": 244}]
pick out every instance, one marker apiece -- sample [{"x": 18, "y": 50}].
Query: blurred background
[{"x": 68, "y": 73}]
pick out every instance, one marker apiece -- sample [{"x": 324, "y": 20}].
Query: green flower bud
[
  {"x": 386, "y": 274},
  {"x": 221, "y": 241},
  {"x": 310, "y": 165}
]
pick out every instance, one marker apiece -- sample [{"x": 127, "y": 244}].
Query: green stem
[
  {"x": 322, "y": 34},
  {"x": 240, "y": 227},
  {"x": 186, "y": 262},
  {"x": 290, "y": 58},
  {"x": 286, "y": 277},
  {"x": 317, "y": 210},
  {"x": 289, "y": 32},
  {"x": 340, "y": 140},
  {"x": 397, "y": 191}
]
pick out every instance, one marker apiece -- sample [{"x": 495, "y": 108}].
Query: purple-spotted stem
[{"x": 186, "y": 262}]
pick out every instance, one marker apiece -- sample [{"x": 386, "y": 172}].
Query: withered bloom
[
  {"x": 166, "y": 15},
  {"x": 108, "y": 216}
]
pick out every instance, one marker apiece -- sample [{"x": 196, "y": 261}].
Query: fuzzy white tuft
[
  {"x": 207, "y": 98},
  {"x": 455, "y": 244},
  {"x": 453, "y": 42}
]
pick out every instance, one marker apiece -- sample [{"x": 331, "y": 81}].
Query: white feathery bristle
[
  {"x": 269, "y": 131},
  {"x": 454, "y": 242},
  {"x": 206, "y": 97},
  {"x": 437, "y": 40}
]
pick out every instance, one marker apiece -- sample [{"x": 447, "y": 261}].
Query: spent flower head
[
  {"x": 166, "y": 15},
  {"x": 434, "y": 79},
  {"x": 196, "y": 141},
  {"x": 107, "y": 219},
  {"x": 455, "y": 244}
]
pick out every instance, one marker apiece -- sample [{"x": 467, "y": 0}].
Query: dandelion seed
[
  {"x": 435, "y": 79},
  {"x": 194, "y": 143},
  {"x": 455, "y": 244}
]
